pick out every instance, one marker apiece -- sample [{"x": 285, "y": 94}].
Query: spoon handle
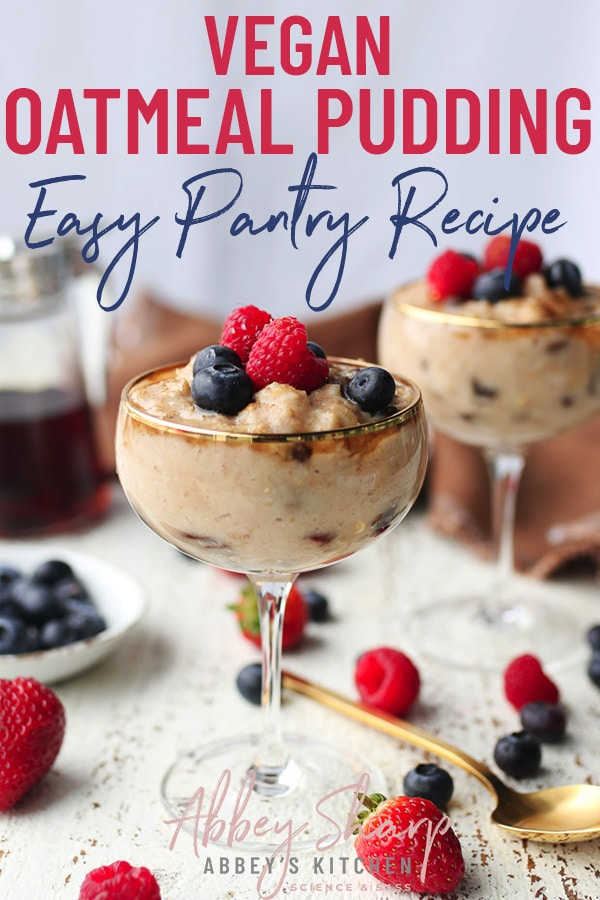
[{"x": 393, "y": 726}]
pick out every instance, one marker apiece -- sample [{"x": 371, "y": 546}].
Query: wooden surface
[{"x": 171, "y": 685}]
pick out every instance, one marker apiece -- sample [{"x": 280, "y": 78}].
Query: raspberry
[
  {"x": 242, "y": 327},
  {"x": 120, "y": 881},
  {"x": 387, "y": 679},
  {"x": 526, "y": 682},
  {"x": 527, "y": 258},
  {"x": 280, "y": 353},
  {"x": 451, "y": 274}
]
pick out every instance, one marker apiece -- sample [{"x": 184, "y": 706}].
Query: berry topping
[
  {"x": 525, "y": 681},
  {"x": 490, "y": 286},
  {"x": 373, "y": 388},
  {"x": 566, "y": 274},
  {"x": 242, "y": 327},
  {"x": 430, "y": 782},
  {"x": 594, "y": 668},
  {"x": 387, "y": 679},
  {"x": 222, "y": 387},
  {"x": 518, "y": 754},
  {"x": 294, "y": 619},
  {"x": 215, "y": 353},
  {"x": 316, "y": 349},
  {"x": 409, "y": 828},
  {"x": 120, "y": 881},
  {"x": 527, "y": 258},
  {"x": 451, "y": 274},
  {"x": 317, "y": 606},
  {"x": 547, "y": 721},
  {"x": 249, "y": 683},
  {"x": 281, "y": 354},
  {"x": 33, "y": 727},
  {"x": 593, "y": 637}
]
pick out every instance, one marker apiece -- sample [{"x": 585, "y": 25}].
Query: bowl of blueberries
[{"x": 61, "y": 612}]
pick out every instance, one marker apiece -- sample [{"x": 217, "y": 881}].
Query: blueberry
[
  {"x": 566, "y": 274},
  {"x": 593, "y": 637},
  {"x": 70, "y": 589},
  {"x": 57, "y": 633},
  {"x": 86, "y": 621},
  {"x": 249, "y": 683},
  {"x": 13, "y": 635},
  {"x": 8, "y": 575},
  {"x": 490, "y": 286},
  {"x": 215, "y": 353},
  {"x": 547, "y": 721},
  {"x": 430, "y": 782},
  {"x": 317, "y": 605},
  {"x": 373, "y": 388},
  {"x": 316, "y": 349},
  {"x": 594, "y": 668},
  {"x": 223, "y": 388},
  {"x": 51, "y": 571},
  {"x": 518, "y": 754},
  {"x": 36, "y": 602}
]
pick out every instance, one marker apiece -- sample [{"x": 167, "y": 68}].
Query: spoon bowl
[{"x": 558, "y": 815}]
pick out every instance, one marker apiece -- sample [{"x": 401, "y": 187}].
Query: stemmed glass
[
  {"x": 270, "y": 506},
  {"x": 500, "y": 386}
]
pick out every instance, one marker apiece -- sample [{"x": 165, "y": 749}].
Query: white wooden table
[{"x": 171, "y": 684}]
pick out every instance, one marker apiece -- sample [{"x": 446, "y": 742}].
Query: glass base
[
  {"x": 308, "y": 804},
  {"x": 474, "y": 633}
]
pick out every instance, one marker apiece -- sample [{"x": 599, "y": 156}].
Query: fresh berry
[
  {"x": 317, "y": 606},
  {"x": 120, "y": 881},
  {"x": 525, "y": 681},
  {"x": 566, "y": 274},
  {"x": 373, "y": 388},
  {"x": 410, "y": 829},
  {"x": 36, "y": 601},
  {"x": 518, "y": 754},
  {"x": 547, "y": 721},
  {"x": 527, "y": 258},
  {"x": 33, "y": 727},
  {"x": 294, "y": 619},
  {"x": 490, "y": 286},
  {"x": 430, "y": 782},
  {"x": 281, "y": 354},
  {"x": 316, "y": 349},
  {"x": 451, "y": 274},
  {"x": 387, "y": 679},
  {"x": 594, "y": 668},
  {"x": 13, "y": 635},
  {"x": 69, "y": 590},
  {"x": 249, "y": 683},
  {"x": 223, "y": 388},
  {"x": 593, "y": 637},
  {"x": 213, "y": 354},
  {"x": 57, "y": 633},
  {"x": 51, "y": 572},
  {"x": 84, "y": 619},
  {"x": 7, "y": 576},
  {"x": 242, "y": 327}
]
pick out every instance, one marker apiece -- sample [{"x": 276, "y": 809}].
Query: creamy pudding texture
[
  {"x": 498, "y": 374},
  {"x": 272, "y": 489}
]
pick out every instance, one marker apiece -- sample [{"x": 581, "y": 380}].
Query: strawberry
[
  {"x": 294, "y": 619},
  {"x": 408, "y": 843},
  {"x": 526, "y": 682},
  {"x": 241, "y": 328},
  {"x": 32, "y": 727},
  {"x": 527, "y": 258},
  {"x": 281, "y": 354},
  {"x": 387, "y": 679},
  {"x": 120, "y": 881},
  {"x": 451, "y": 274}
]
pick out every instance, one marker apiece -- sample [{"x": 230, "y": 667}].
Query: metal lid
[{"x": 30, "y": 280}]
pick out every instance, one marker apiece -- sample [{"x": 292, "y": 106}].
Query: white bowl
[{"x": 119, "y": 598}]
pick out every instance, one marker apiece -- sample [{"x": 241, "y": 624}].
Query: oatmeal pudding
[
  {"x": 497, "y": 365},
  {"x": 295, "y": 479}
]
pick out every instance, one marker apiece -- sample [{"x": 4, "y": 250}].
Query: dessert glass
[
  {"x": 497, "y": 379},
  {"x": 270, "y": 506}
]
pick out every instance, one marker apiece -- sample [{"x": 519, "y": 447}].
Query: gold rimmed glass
[
  {"x": 269, "y": 506},
  {"x": 499, "y": 385}
]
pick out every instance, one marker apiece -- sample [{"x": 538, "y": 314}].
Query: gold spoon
[{"x": 556, "y": 815}]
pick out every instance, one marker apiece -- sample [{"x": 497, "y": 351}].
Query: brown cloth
[{"x": 558, "y": 504}]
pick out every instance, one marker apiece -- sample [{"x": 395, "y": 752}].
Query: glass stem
[
  {"x": 505, "y": 468},
  {"x": 272, "y": 757}
]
